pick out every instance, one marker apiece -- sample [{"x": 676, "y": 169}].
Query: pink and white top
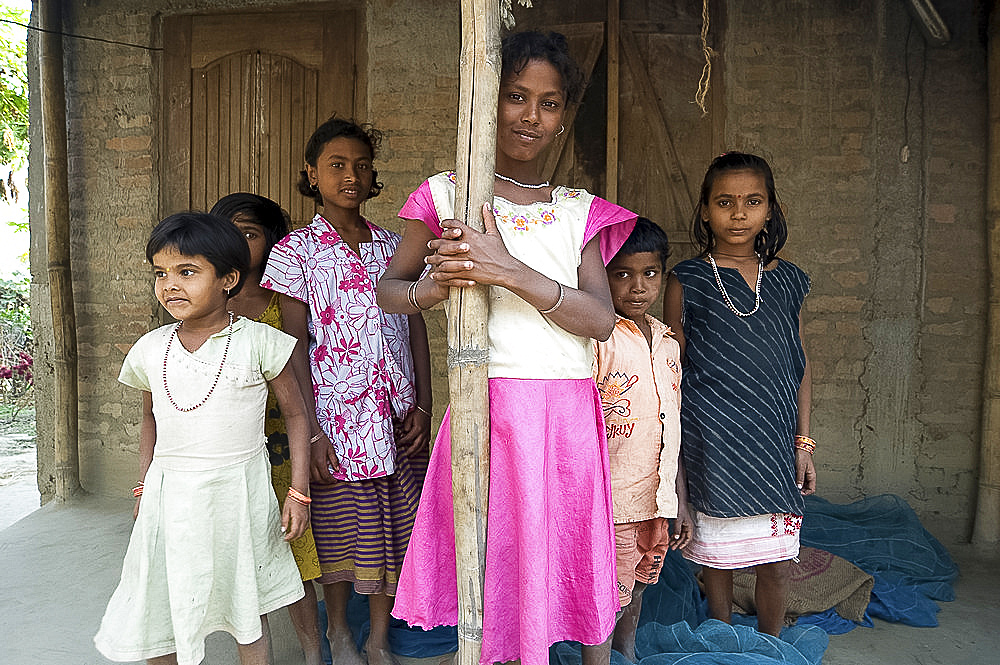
[
  {"x": 362, "y": 367},
  {"x": 548, "y": 236}
]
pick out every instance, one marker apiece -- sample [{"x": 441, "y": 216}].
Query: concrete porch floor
[{"x": 59, "y": 565}]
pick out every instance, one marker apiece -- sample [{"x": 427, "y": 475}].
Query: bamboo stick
[
  {"x": 57, "y": 235},
  {"x": 611, "y": 159},
  {"x": 468, "y": 309},
  {"x": 987, "y": 525}
]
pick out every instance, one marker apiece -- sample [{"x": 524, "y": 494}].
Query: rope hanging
[{"x": 706, "y": 71}]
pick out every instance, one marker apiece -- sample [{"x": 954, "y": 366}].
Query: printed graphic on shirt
[{"x": 616, "y": 405}]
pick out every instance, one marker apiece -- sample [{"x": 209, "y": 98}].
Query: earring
[
  {"x": 562, "y": 128},
  {"x": 313, "y": 188},
  {"x": 227, "y": 292}
]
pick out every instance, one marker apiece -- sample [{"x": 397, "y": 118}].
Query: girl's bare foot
[{"x": 342, "y": 648}]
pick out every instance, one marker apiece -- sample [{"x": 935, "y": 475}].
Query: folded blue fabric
[
  {"x": 882, "y": 536},
  {"x": 832, "y": 623},
  {"x": 712, "y": 643}
]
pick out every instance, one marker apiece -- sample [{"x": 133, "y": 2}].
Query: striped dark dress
[{"x": 738, "y": 394}]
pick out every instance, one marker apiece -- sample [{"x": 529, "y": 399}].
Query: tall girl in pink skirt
[{"x": 550, "y": 572}]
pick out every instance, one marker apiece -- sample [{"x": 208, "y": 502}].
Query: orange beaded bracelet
[
  {"x": 299, "y": 497},
  {"x": 803, "y": 442}
]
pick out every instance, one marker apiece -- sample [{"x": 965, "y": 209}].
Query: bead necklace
[
  {"x": 166, "y": 388},
  {"x": 521, "y": 184},
  {"x": 725, "y": 296}
]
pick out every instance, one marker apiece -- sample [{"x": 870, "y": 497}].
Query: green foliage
[
  {"x": 13, "y": 97},
  {"x": 14, "y": 312},
  {"x": 16, "y": 371}
]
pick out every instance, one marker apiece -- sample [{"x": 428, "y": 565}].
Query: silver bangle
[
  {"x": 411, "y": 296},
  {"x": 559, "y": 301}
]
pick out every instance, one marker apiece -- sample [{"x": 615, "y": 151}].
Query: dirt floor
[{"x": 59, "y": 565}]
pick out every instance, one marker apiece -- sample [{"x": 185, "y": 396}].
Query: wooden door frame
[
  {"x": 175, "y": 137},
  {"x": 617, "y": 38}
]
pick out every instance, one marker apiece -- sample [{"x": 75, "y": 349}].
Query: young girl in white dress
[{"x": 209, "y": 549}]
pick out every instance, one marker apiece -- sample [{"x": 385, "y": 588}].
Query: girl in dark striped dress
[{"x": 736, "y": 311}]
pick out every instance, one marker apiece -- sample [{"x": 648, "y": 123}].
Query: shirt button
[{"x": 663, "y": 416}]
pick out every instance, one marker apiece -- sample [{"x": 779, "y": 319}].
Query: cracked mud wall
[{"x": 878, "y": 144}]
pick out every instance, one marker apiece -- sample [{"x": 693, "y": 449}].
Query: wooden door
[
  {"x": 243, "y": 93},
  {"x": 638, "y": 138}
]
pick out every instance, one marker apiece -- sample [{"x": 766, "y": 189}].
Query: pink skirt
[{"x": 550, "y": 551}]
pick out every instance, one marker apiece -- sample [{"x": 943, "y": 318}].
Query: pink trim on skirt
[
  {"x": 740, "y": 542},
  {"x": 550, "y": 552}
]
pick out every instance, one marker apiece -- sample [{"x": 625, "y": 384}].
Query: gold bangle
[
  {"x": 316, "y": 437},
  {"x": 422, "y": 410}
]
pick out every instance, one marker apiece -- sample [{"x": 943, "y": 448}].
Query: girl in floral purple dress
[{"x": 370, "y": 384}]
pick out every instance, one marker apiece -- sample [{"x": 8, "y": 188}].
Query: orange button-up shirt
[{"x": 640, "y": 393}]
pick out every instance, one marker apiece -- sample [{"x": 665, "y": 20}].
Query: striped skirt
[{"x": 362, "y": 527}]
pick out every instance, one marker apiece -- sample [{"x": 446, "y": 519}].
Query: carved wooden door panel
[{"x": 243, "y": 93}]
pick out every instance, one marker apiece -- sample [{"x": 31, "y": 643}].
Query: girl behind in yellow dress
[{"x": 264, "y": 223}]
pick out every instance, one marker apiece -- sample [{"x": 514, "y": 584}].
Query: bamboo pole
[
  {"x": 611, "y": 158},
  {"x": 987, "y": 526},
  {"x": 53, "y": 97},
  {"x": 468, "y": 309}
]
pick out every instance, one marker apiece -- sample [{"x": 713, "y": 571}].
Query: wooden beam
[
  {"x": 986, "y": 531},
  {"x": 593, "y": 34},
  {"x": 611, "y": 151},
  {"x": 468, "y": 311},
  {"x": 57, "y": 239},
  {"x": 659, "y": 132}
]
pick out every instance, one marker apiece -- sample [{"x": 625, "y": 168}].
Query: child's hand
[
  {"x": 805, "y": 472},
  {"x": 323, "y": 461},
  {"x": 682, "y": 527},
  {"x": 464, "y": 257},
  {"x": 294, "y": 519},
  {"x": 413, "y": 433}
]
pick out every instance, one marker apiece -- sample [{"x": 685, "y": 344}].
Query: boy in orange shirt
[{"x": 638, "y": 374}]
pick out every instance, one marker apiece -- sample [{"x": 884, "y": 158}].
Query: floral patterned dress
[{"x": 363, "y": 381}]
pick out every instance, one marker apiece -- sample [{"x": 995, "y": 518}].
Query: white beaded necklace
[
  {"x": 725, "y": 296},
  {"x": 521, "y": 184},
  {"x": 166, "y": 388}
]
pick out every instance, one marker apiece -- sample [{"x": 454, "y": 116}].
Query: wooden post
[
  {"x": 611, "y": 159},
  {"x": 468, "y": 310},
  {"x": 987, "y": 525},
  {"x": 57, "y": 236}
]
